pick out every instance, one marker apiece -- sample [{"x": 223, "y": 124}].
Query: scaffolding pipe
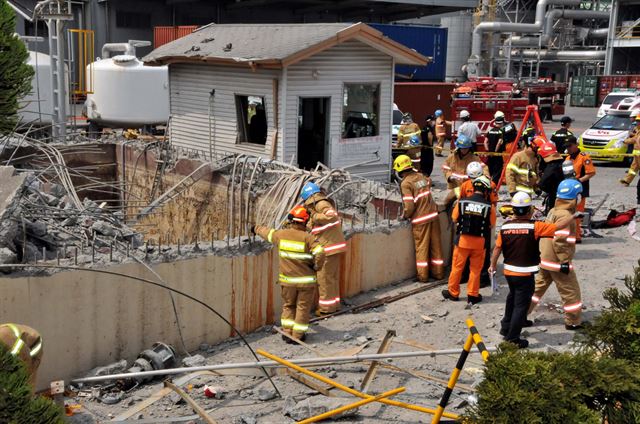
[{"x": 273, "y": 364}]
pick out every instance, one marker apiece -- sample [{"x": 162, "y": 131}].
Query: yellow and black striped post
[
  {"x": 453, "y": 379},
  {"x": 477, "y": 340}
]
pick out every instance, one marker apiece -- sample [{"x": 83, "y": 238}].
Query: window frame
[
  {"x": 376, "y": 123},
  {"x": 242, "y": 135}
]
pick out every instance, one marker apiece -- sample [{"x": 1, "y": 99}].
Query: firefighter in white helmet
[
  {"x": 469, "y": 128},
  {"x": 519, "y": 240},
  {"x": 556, "y": 255}
]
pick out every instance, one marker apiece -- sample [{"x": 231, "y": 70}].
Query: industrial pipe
[
  {"x": 271, "y": 364},
  {"x": 565, "y": 55},
  {"x": 554, "y": 15},
  {"x": 541, "y": 7},
  {"x": 127, "y": 48}
]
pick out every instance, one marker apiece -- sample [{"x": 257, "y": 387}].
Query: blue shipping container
[{"x": 427, "y": 40}]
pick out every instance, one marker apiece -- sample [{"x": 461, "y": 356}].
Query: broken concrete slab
[{"x": 315, "y": 406}]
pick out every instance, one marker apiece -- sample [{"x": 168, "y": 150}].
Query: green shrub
[
  {"x": 17, "y": 404},
  {"x": 534, "y": 387}
]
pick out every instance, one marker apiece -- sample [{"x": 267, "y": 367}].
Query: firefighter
[
  {"x": 428, "y": 141},
  {"x": 324, "y": 223},
  {"x": 441, "y": 131},
  {"x": 421, "y": 209},
  {"x": 633, "y": 139},
  {"x": 518, "y": 239},
  {"x": 475, "y": 216},
  {"x": 25, "y": 343},
  {"x": 521, "y": 173},
  {"x": 469, "y": 128},
  {"x": 556, "y": 255},
  {"x": 552, "y": 175},
  {"x": 300, "y": 256},
  {"x": 455, "y": 167},
  {"x": 475, "y": 170},
  {"x": 510, "y": 133},
  {"x": 559, "y": 137},
  {"x": 410, "y": 138},
  {"x": 494, "y": 143},
  {"x": 585, "y": 170}
]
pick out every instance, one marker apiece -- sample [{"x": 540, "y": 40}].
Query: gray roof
[{"x": 267, "y": 44}]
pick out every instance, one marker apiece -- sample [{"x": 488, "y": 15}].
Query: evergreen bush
[
  {"x": 17, "y": 404},
  {"x": 15, "y": 74}
]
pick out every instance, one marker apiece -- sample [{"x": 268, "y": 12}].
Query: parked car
[
  {"x": 605, "y": 139},
  {"x": 613, "y": 98}
]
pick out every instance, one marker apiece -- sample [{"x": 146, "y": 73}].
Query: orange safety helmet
[
  {"x": 299, "y": 214},
  {"x": 538, "y": 141},
  {"x": 547, "y": 149}
]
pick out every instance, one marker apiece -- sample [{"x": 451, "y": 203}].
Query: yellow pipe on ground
[
  {"x": 352, "y": 406},
  {"x": 349, "y": 389},
  {"x": 477, "y": 340}
]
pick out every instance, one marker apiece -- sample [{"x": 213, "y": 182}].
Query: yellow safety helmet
[{"x": 402, "y": 163}]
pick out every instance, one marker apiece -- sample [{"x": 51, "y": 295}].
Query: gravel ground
[{"x": 423, "y": 318}]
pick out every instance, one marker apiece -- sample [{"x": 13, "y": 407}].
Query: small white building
[{"x": 303, "y": 92}]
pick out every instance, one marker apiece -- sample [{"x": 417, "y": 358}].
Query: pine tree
[
  {"x": 15, "y": 74},
  {"x": 17, "y": 404}
]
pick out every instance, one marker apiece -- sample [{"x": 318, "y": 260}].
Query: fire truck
[{"x": 484, "y": 96}]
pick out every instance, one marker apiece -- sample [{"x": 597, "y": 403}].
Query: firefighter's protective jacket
[
  {"x": 22, "y": 341},
  {"x": 300, "y": 254},
  {"x": 418, "y": 203},
  {"x": 634, "y": 139},
  {"x": 562, "y": 247},
  {"x": 325, "y": 224},
  {"x": 406, "y": 131},
  {"x": 455, "y": 168},
  {"x": 521, "y": 173}
]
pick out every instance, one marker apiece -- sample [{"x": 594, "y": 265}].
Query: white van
[{"x": 614, "y": 97}]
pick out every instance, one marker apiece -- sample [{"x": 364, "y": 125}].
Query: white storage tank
[
  {"x": 37, "y": 106},
  {"x": 127, "y": 94}
]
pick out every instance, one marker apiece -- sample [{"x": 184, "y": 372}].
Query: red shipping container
[
  {"x": 163, "y": 35},
  {"x": 181, "y": 31},
  {"x": 423, "y": 98},
  {"x": 634, "y": 81},
  {"x": 621, "y": 81}
]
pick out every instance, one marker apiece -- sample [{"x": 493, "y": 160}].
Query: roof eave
[{"x": 253, "y": 64}]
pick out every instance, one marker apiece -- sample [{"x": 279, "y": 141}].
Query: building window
[
  {"x": 360, "y": 112},
  {"x": 30, "y": 29},
  {"x": 252, "y": 119},
  {"x": 133, "y": 20}
]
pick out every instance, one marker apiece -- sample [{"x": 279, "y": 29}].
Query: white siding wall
[
  {"x": 349, "y": 62},
  {"x": 190, "y": 88}
]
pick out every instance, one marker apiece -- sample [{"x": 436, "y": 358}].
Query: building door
[{"x": 313, "y": 131}]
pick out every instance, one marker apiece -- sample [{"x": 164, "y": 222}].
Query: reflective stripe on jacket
[
  {"x": 325, "y": 224},
  {"x": 521, "y": 173},
  {"x": 417, "y": 201}
]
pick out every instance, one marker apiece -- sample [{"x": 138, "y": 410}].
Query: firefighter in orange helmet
[
  {"x": 25, "y": 343},
  {"x": 300, "y": 256},
  {"x": 324, "y": 223},
  {"x": 422, "y": 210}
]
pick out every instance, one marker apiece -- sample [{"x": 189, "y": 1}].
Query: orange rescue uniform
[{"x": 583, "y": 165}]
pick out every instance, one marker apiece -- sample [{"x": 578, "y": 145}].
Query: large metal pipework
[
  {"x": 554, "y": 15},
  {"x": 127, "y": 48},
  {"x": 566, "y": 55},
  {"x": 541, "y": 8}
]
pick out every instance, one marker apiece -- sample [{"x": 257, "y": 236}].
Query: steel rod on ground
[{"x": 273, "y": 364}]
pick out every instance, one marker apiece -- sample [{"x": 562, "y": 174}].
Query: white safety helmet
[
  {"x": 498, "y": 114},
  {"x": 567, "y": 169},
  {"x": 521, "y": 200},
  {"x": 474, "y": 170},
  {"x": 633, "y": 114},
  {"x": 464, "y": 114}
]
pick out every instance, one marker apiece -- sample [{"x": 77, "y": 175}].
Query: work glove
[{"x": 564, "y": 268}]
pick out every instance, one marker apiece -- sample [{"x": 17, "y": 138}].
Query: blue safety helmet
[
  {"x": 438, "y": 113},
  {"x": 309, "y": 190},
  {"x": 569, "y": 189},
  {"x": 414, "y": 140},
  {"x": 463, "y": 142}
]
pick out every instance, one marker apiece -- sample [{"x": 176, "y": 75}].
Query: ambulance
[{"x": 605, "y": 139}]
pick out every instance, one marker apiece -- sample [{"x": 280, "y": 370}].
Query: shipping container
[
  {"x": 424, "y": 98},
  {"x": 427, "y": 40},
  {"x": 634, "y": 81},
  {"x": 166, "y": 34},
  {"x": 591, "y": 81}
]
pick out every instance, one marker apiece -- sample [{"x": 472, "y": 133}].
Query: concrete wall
[{"x": 89, "y": 319}]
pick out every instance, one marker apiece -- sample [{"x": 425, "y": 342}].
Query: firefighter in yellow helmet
[
  {"x": 301, "y": 255},
  {"x": 421, "y": 209},
  {"x": 410, "y": 139},
  {"x": 25, "y": 343}
]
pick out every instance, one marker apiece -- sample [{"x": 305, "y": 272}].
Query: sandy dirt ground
[{"x": 422, "y": 320}]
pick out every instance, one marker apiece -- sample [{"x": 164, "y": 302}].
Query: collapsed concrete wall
[{"x": 89, "y": 319}]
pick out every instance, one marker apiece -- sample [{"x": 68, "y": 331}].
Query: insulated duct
[
  {"x": 566, "y": 55},
  {"x": 541, "y": 7},
  {"x": 554, "y": 15}
]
